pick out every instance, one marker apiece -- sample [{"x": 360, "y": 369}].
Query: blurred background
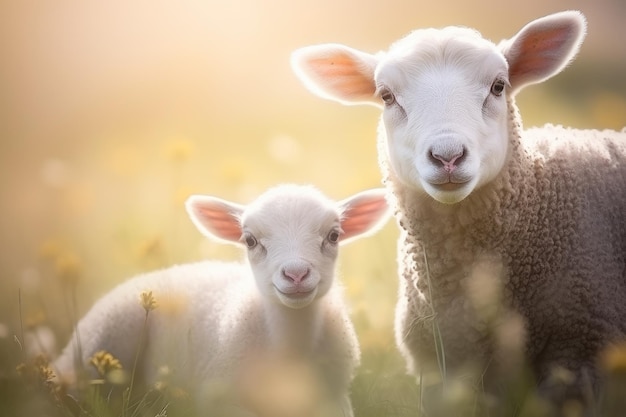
[{"x": 113, "y": 112}]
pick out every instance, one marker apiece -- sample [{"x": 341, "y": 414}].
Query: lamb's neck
[{"x": 293, "y": 331}]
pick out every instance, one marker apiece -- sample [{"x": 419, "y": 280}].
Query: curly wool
[{"x": 551, "y": 226}]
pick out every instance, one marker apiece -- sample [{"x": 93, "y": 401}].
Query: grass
[{"x": 380, "y": 388}]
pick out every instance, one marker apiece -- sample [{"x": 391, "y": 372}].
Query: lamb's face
[
  {"x": 292, "y": 249},
  {"x": 445, "y": 111},
  {"x": 291, "y": 234}
]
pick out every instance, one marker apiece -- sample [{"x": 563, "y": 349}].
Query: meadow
[{"x": 109, "y": 120}]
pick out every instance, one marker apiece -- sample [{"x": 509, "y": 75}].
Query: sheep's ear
[
  {"x": 215, "y": 218},
  {"x": 363, "y": 213},
  {"x": 543, "y": 47},
  {"x": 337, "y": 72}
]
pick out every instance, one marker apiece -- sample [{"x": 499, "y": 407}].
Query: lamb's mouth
[{"x": 296, "y": 294}]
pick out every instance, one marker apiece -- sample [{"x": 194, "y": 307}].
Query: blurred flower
[
  {"x": 68, "y": 268},
  {"x": 232, "y": 170},
  {"x": 561, "y": 376},
  {"x": 151, "y": 248},
  {"x": 147, "y": 301},
  {"x": 179, "y": 150},
  {"x": 104, "y": 362},
  {"x": 50, "y": 249},
  {"x": 36, "y": 371},
  {"x": 613, "y": 359},
  {"x": 165, "y": 385},
  {"x": 282, "y": 378}
]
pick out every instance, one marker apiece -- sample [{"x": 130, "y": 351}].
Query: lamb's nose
[
  {"x": 296, "y": 274},
  {"x": 449, "y": 160}
]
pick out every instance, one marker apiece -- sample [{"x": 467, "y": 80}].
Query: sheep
[
  {"x": 535, "y": 217},
  {"x": 242, "y": 325}
]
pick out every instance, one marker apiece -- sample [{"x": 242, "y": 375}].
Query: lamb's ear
[
  {"x": 215, "y": 218},
  {"x": 543, "y": 47},
  {"x": 337, "y": 72},
  {"x": 363, "y": 213}
]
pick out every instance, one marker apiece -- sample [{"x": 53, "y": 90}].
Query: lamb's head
[
  {"x": 445, "y": 96},
  {"x": 291, "y": 234}
]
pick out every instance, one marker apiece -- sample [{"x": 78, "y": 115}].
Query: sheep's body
[
  {"x": 489, "y": 212},
  {"x": 559, "y": 256},
  {"x": 234, "y": 325}
]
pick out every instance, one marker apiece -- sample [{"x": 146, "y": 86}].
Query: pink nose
[
  {"x": 448, "y": 162},
  {"x": 296, "y": 274}
]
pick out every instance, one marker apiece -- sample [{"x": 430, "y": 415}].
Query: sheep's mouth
[
  {"x": 296, "y": 299},
  {"x": 449, "y": 186}
]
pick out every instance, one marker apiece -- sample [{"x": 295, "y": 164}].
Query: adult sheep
[
  {"x": 275, "y": 326},
  {"x": 537, "y": 215}
]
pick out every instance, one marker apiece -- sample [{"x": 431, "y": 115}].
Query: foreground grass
[{"x": 381, "y": 388}]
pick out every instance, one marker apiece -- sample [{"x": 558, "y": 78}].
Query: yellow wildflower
[
  {"x": 147, "y": 301},
  {"x": 68, "y": 268},
  {"x": 179, "y": 150},
  {"x": 104, "y": 362},
  {"x": 51, "y": 249}
]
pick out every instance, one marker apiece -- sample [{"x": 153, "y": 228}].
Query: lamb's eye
[
  {"x": 333, "y": 236},
  {"x": 497, "y": 87},
  {"x": 387, "y": 96},
  {"x": 250, "y": 240}
]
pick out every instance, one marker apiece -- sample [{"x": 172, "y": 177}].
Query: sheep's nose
[
  {"x": 296, "y": 273},
  {"x": 449, "y": 160}
]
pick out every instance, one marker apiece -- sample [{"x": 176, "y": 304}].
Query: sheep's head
[
  {"x": 444, "y": 93},
  {"x": 291, "y": 234}
]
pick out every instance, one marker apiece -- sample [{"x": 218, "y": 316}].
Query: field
[{"x": 112, "y": 115}]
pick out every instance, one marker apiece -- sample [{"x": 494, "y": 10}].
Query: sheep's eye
[
  {"x": 497, "y": 87},
  {"x": 333, "y": 236},
  {"x": 387, "y": 96},
  {"x": 250, "y": 240}
]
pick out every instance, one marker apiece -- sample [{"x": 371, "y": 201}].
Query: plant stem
[{"x": 129, "y": 390}]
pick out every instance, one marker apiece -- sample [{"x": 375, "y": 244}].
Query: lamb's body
[
  {"x": 506, "y": 235},
  {"x": 229, "y": 327},
  {"x": 210, "y": 322}
]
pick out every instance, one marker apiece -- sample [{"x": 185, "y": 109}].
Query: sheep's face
[
  {"x": 444, "y": 123},
  {"x": 445, "y": 112},
  {"x": 292, "y": 250}
]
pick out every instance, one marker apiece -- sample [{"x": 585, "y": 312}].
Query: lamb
[
  {"x": 534, "y": 217},
  {"x": 239, "y": 325}
]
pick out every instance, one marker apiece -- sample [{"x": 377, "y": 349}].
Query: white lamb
[
  {"x": 533, "y": 217},
  {"x": 241, "y": 326}
]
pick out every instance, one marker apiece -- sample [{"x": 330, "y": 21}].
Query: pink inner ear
[
  {"x": 363, "y": 216},
  {"x": 540, "y": 53},
  {"x": 343, "y": 66},
  {"x": 341, "y": 75},
  {"x": 219, "y": 221},
  {"x": 542, "y": 48}
]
